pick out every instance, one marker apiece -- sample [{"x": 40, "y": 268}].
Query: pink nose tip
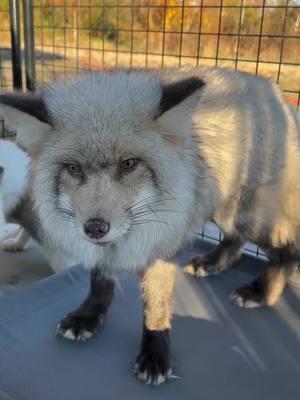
[{"x": 96, "y": 228}]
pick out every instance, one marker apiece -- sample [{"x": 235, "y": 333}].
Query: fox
[{"x": 127, "y": 164}]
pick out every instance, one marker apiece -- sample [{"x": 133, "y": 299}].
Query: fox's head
[{"x": 107, "y": 151}]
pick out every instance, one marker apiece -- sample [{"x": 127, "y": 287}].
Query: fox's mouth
[
  {"x": 102, "y": 244},
  {"x": 98, "y": 243}
]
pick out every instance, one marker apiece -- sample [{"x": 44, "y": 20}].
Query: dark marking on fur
[
  {"x": 91, "y": 312},
  {"x": 175, "y": 93},
  {"x": 32, "y": 104},
  {"x": 56, "y": 185},
  {"x": 154, "y": 176},
  {"x": 154, "y": 359}
]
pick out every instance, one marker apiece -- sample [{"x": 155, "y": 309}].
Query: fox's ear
[
  {"x": 175, "y": 93},
  {"x": 26, "y": 114},
  {"x": 176, "y": 106}
]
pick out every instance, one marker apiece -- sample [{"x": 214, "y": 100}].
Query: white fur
[
  {"x": 16, "y": 243},
  {"x": 8, "y": 232},
  {"x": 148, "y": 379},
  {"x": 15, "y": 178},
  {"x": 68, "y": 334},
  {"x": 239, "y": 301}
]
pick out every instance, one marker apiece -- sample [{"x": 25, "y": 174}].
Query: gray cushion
[{"x": 219, "y": 351}]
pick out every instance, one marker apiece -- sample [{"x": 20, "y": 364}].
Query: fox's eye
[
  {"x": 129, "y": 165},
  {"x": 74, "y": 169}
]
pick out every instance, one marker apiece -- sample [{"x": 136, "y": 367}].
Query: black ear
[
  {"x": 28, "y": 103},
  {"x": 175, "y": 93},
  {"x": 26, "y": 114}
]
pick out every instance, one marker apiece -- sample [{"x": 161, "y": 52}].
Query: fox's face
[
  {"x": 106, "y": 151},
  {"x": 107, "y": 184}
]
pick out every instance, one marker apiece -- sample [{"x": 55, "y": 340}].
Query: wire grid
[
  {"x": 6, "y": 80},
  {"x": 6, "y": 76},
  {"x": 258, "y": 36}
]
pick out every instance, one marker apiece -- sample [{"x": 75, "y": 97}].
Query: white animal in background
[
  {"x": 18, "y": 218},
  {"x": 13, "y": 186}
]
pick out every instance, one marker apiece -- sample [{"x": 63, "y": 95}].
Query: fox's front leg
[
  {"x": 153, "y": 364},
  {"x": 82, "y": 323}
]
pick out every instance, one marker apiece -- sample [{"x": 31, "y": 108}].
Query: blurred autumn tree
[{"x": 168, "y": 26}]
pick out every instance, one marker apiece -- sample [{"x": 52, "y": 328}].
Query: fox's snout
[{"x": 96, "y": 228}]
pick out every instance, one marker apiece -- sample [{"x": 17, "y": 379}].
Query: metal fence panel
[
  {"x": 6, "y": 72},
  {"x": 259, "y": 36}
]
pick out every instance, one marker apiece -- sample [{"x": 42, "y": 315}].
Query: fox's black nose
[{"x": 96, "y": 228}]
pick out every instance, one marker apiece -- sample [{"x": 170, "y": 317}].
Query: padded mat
[{"x": 219, "y": 351}]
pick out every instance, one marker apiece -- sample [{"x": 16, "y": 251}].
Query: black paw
[
  {"x": 153, "y": 365},
  {"x": 249, "y": 296},
  {"x": 200, "y": 267},
  {"x": 78, "y": 327}
]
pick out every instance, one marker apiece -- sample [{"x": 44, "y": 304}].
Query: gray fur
[
  {"x": 224, "y": 153},
  {"x": 227, "y": 151}
]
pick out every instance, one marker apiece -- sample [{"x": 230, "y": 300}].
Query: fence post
[
  {"x": 29, "y": 44},
  {"x": 14, "y": 15}
]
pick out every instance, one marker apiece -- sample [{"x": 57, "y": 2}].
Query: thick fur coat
[{"x": 127, "y": 165}]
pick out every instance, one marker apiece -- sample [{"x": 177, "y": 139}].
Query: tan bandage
[{"x": 157, "y": 284}]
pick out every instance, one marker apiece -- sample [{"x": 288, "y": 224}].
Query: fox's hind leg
[
  {"x": 222, "y": 257},
  {"x": 266, "y": 289},
  {"x": 82, "y": 323}
]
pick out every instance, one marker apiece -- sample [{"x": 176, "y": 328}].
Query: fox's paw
[
  {"x": 78, "y": 327},
  {"x": 152, "y": 369},
  {"x": 248, "y": 296},
  {"x": 200, "y": 267},
  {"x": 153, "y": 364},
  {"x": 11, "y": 245}
]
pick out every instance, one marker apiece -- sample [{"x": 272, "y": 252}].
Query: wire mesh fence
[
  {"x": 6, "y": 79},
  {"x": 257, "y": 36}
]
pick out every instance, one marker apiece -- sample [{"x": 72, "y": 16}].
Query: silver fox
[{"x": 127, "y": 164}]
